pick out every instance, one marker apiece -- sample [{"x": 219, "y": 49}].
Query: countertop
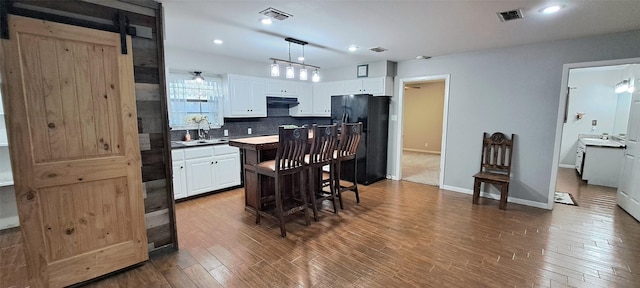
[
  {"x": 197, "y": 143},
  {"x": 602, "y": 142}
]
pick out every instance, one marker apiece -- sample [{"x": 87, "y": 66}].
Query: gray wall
[{"x": 513, "y": 90}]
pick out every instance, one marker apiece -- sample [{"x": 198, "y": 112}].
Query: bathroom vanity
[{"x": 599, "y": 161}]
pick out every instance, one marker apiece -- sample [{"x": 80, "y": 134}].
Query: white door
[
  {"x": 200, "y": 176},
  {"x": 179, "y": 180},
  {"x": 629, "y": 188},
  {"x": 227, "y": 171}
]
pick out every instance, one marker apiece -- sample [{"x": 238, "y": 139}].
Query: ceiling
[{"x": 407, "y": 28}]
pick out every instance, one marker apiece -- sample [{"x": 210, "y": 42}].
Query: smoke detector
[
  {"x": 378, "y": 49},
  {"x": 275, "y": 14},
  {"x": 510, "y": 15}
]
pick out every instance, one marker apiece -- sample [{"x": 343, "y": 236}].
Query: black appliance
[{"x": 373, "y": 112}]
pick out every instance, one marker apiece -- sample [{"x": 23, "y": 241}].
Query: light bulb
[
  {"x": 290, "y": 73},
  {"x": 315, "y": 76},
  {"x": 275, "y": 69},
  {"x": 303, "y": 74}
]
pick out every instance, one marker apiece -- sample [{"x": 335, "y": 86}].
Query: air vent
[
  {"x": 378, "y": 49},
  {"x": 275, "y": 13},
  {"x": 510, "y": 15}
]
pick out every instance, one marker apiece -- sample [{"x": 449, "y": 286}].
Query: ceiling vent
[
  {"x": 275, "y": 13},
  {"x": 510, "y": 15},
  {"x": 378, "y": 49}
]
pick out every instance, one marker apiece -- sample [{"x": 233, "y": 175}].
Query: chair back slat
[
  {"x": 350, "y": 134},
  {"x": 496, "y": 153},
  {"x": 292, "y": 145},
  {"x": 325, "y": 140}
]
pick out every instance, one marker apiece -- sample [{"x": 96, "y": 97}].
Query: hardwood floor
[{"x": 402, "y": 234}]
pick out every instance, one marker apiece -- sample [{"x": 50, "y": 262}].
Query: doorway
[
  {"x": 584, "y": 112},
  {"x": 420, "y": 153}
]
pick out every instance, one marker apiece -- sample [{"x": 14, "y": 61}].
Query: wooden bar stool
[
  {"x": 289, "y": 161},
  {"x": 325, "y": 140},
  {"x": 350, "y": 134}
]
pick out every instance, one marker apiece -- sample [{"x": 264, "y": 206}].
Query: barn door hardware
[
  {"x": 122, "y": 23},
  {"x": 118, "y": 24}
]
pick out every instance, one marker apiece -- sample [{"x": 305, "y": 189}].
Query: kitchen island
[{"x": 254, "y": 151}]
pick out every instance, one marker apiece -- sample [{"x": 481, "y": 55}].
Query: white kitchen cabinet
[
  {"x": 203, "y": 169},
  {"x": 322, "y": 93},
  {"x": 226, "y": 166},
  {"x": 179, "y": 174},
  {"x": 376, "y": 86},
  {"x": 305, "y": 101},
  {"x": 245, "y": 96},
  {"x": 281, "y": 88}
]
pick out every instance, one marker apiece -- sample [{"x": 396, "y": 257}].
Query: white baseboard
[
  {"x": 421, "y": 151},
  {"x": 567, "y": 166},
  {"x": 9, "y": 222},
  {"x": 497, "y": 197}
]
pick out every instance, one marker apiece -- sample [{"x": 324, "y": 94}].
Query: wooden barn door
[{"x": 74, "y": 150}]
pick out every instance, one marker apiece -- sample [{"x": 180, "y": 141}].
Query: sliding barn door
[
  {"x": 74, "y": 150},
  {"x": 629, "y": 188}
]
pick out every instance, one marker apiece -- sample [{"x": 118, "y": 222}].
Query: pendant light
[
  {"x": 275, "y": 69},
  {"x": 303, "y": 70},
  {"x": 289, "y": 69},
  {"x": 197, "y": 76},
  {"x": 289, "y": 72}
]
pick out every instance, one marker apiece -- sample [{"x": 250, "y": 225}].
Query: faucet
[{"x": 201, "y": 132}]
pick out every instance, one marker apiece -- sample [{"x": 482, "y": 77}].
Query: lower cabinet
[{"x": 205, "y": 169}]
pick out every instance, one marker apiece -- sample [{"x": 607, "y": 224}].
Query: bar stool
[
  {"x": 350, "y": 134},
  {"x": 292, "y": 144},
  {"x": 325, "y": 140}
]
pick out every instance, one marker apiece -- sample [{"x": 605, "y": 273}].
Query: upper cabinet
[
  {"x": 305, "y": 101},
  {"x": 282, "y": 88},
  {"x": 376, "y": 86},
  {"x": 245, "y": 97},
  {"x": 322, "y": 93}
]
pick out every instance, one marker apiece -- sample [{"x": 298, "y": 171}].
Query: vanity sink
[{"x": 601, "y": 142}]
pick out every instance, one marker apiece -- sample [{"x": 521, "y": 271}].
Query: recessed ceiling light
[
  {"x": 353, "y": 48},
  {"x": 266, "y": 21},
  {"x": 551, "y": 9},
  {"x": 217, "y": 41}
]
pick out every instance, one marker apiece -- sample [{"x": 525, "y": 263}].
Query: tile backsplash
[{"x": 276, "y": 116}]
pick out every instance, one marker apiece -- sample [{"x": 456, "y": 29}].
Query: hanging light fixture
[
  {"x": 303, "y": 70},
  {"x": 197, "y": 76},
  {"x": 289, "y": 72},
  {"x": 275, "y": 69},
  {"x": 315, "y": 76},
  {"x": 289, "y": 69}
]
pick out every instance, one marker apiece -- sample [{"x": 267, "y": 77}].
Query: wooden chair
[
  {"x": 495, "y": 165},
  {"x": 325, "y": 140},
  {"x": 289, "y": 161},
  {"x": 350, "y": 134}
]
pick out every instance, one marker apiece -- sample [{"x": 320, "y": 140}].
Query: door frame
[
  {"x": 400, "y": 125},
  {"x": 561, "y": 110}
]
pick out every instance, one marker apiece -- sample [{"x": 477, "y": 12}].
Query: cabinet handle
[
  {"x": 211, "y": 162},
  {"x": 181, "y": 167}
]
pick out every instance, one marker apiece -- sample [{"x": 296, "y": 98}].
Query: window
[{"x": 191, "y": 101}]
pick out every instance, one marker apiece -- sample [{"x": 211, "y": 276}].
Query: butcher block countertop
[{"x": 256, "y": 143}]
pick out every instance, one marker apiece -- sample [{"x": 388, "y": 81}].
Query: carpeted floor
[{"x": 421, "y": 167}]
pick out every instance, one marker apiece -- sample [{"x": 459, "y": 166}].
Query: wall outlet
[
  {"x": 226, "y": 132},
  {"x": 248, "y": 130},
  {"x": 426, "y": 145},
  {"x": 594, "y": 122}
]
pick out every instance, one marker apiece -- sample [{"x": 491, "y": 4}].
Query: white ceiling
[{"x": 406, "y": 28}]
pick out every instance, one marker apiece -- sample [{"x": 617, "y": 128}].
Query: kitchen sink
[{"x": 202, "y": 142}]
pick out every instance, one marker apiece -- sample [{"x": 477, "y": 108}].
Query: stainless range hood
[{"x": 282, "y": 101}]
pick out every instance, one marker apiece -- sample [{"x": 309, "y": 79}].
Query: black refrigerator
[{"x": 373, "y": 112}]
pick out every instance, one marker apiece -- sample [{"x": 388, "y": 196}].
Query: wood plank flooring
[{"x": 402, "y": 234}]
